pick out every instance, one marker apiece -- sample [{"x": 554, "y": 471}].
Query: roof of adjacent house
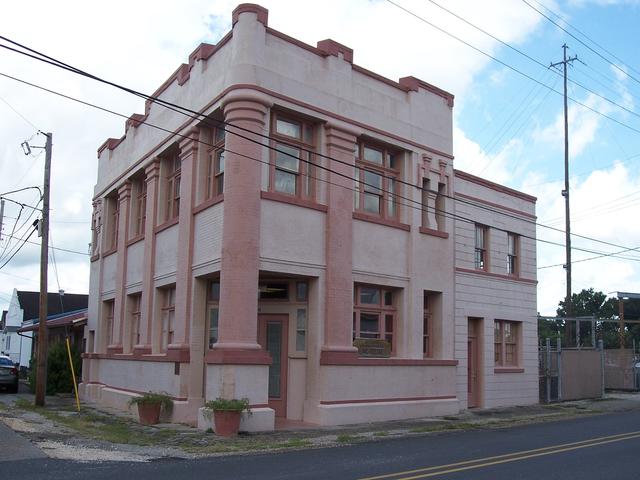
[
  {"x": 75, "y": 318},
  {"x": 56, "y": 303}
]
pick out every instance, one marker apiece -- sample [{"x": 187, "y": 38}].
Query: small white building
[{"x": 18, "y": 347}]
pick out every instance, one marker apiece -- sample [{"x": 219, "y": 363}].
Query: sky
[{"x": 508, "y": 120}]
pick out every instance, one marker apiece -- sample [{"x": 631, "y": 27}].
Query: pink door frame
[{"x": 279, "y": 404}]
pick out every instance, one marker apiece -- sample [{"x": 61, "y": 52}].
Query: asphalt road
[{"x": 596, "y": 447}]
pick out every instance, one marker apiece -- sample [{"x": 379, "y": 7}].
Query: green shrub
[
  {"x": 232, "y": 405},
  {"x": 153, "y": 398},
  {"x": 59, "y": 378}
]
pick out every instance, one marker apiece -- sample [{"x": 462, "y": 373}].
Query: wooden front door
[
  {"x": 272, "y": 336},
  {"x": 473, "y": 378}
]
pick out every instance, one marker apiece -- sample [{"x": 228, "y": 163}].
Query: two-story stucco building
[{"x": 304, "y": 241}]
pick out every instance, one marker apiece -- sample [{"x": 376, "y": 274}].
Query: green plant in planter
[
  {"x": 153, "y": 398},
  {"x": 228, "y": 405},
  {"x": 149, "y": 406},
  {"x": 226, "y": 414}
]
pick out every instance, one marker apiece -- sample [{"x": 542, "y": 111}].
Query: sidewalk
[{"x": 102, "y": 435}]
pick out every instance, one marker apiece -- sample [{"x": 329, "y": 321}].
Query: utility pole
[
  {"x": 43, "y": 340},
  {"x": 565, "y": 192}
]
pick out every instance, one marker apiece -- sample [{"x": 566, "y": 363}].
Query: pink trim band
[
  {"x": 279, "y": 197},
  {"x": 495, "y": 205},
  {"x": 508, "y": 370},
  {"x": 496, "y": 275},
  {"x": 493, "y": 186},
  {"x": 381, "y": 400},
  {"x": 434, "y": 233},
  {"x": 330, "y": 357},
  {"x": 237, "y": 357},
  {"x": 381, "y": 221}
]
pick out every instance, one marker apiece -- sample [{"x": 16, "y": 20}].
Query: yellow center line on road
[{"x": 505, "y": 458}]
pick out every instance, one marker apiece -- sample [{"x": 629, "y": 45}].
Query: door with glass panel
[{"x": 273, "y": 335}]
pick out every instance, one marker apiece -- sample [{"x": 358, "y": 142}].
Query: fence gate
[{"x": 550, "y": 372}]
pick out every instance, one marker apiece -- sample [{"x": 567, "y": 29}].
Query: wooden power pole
[
  {"x": 43, "y": 339},
  {"x": 565, "y": 192}
]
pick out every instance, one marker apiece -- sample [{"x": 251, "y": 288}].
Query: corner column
[
  {"x": 238, "y": 319},
  {"x": 124, "y": 200},
  {"x": 338, "y": 342},
  {"x": 152, "y": 177}
]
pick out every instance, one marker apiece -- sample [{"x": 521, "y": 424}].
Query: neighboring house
[
  {"x": 321, "y": 257},
  {"x": 24, "y": 308},
  {"x": 59, "y": 327}
]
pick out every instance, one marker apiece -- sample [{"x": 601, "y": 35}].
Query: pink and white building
[{"x": 304, "y": 241}]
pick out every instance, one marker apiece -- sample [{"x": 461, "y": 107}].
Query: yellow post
[{"x": 73, "y": 374}]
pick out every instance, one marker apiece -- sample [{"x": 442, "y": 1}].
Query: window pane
[
  {"x": 285, "y": 182},
  {"x": 511, "y": 244},
  {"x": 369, "y": 325},
  {"x": 291, "y": 129},
  {"x": 372, "y": 155},
  {"x": 371, "y": 203},
  {"x": 369, "y": 296},
  {"x": 372, "y": 182},
  {"x": 391, "y": 161},
  {"x": 308, "y": 134},
  {"x": 214, "y": 291},
  {"x": 497, "y": 332},
  {"x": 220, "y": 162},
  {"x": 274, "y": 291},
  {"x": 301, "y": 291},
  {"x": 508, "y": 332},
  {"x": 392, "y": 198},
  {"x": 356, "y": 189},
  {"x": 219, "y": 135},
  {"x": 213, "y": 326},
  {"x": 301, "y": 329},
  {"x": 288, "y": 158},
  {"x": 388, "y": 298},
  {"x": 388, "y": 323},
  {"x": 479, "y": 236}
]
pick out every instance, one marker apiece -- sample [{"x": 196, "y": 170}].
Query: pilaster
[
  {"x": 124, "y": 201},
  {"x": 152, "y": 177},
  {"x": 342, "y": 146}
]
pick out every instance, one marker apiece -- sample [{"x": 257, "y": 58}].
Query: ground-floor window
[
  {"x": 168, "y": 316},
  {"x": 135, "y": 301},
  {"x": 108, "y": 321},
  {"x": 506, "y": 343},
  {"x": 213, "y": 298},
  {"x": 374, "y": 314}
]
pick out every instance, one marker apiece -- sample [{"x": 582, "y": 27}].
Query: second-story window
[
  {"x": 139, "y": 205},
  {"x": 215, "y": 165},
  {"x": 512, "y": 253},
  {"x": 376, "y": 181},
  {"x": 172, "y": 182},
  {"x": 480, "y": 247},
  {"x": 168, "y": 316},
  {"x": 291, "y": 162},
  {"x": 113, "y": 215}
]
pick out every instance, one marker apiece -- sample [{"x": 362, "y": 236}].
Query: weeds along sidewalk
[{"x": 96, "y": 434}]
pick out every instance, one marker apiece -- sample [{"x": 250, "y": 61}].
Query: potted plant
[
  {"x": 149, "y": 406},
  {"x": 227, "y": 413}
]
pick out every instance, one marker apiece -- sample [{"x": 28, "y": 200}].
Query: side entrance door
[
  {"x": 473, "y": 379},
  {"x": 273, "y": 333}
]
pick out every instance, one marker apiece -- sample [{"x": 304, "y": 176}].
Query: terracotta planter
[
  {"x": 149, "y": 413},
  {"x": 227, "y": 422}
]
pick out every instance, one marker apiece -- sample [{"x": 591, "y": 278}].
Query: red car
[{"x": 8, "y": 374}]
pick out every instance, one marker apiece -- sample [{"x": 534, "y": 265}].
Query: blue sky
[{"x": 506, "y": 127}]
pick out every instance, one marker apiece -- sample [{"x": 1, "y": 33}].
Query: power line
[
  {"x": 614, "y": 254},
  {"x": 201, "y": 117},
  {"x": 510, "y": 67},
  {"x": 18, "y": 249},
  {"x": 61, "y": 249},
  {"x": 583, "y": 43},
  {"x": 18, "y": 113},
  {"x": 527, "y": 56}
]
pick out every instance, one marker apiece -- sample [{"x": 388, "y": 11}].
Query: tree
[{"x": 588, "y": 303}]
